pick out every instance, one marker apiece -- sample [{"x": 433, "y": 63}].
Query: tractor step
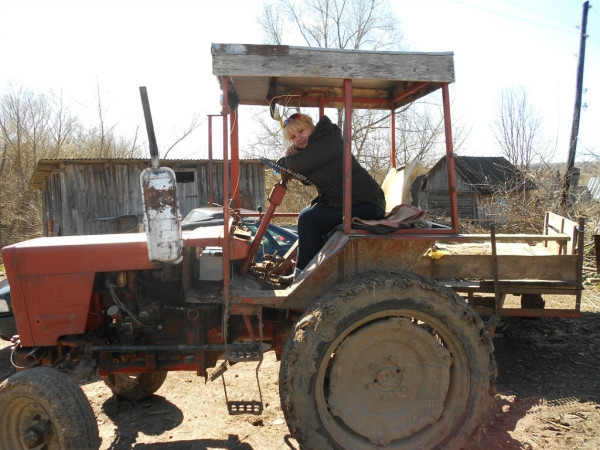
[
  {"x": 242, "y": 352},
  {"x": 247, "y": 351},
  {"x": 244, "y": 407}
]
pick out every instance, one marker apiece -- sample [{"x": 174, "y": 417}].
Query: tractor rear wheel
[
  {"x": 135, "y": 386},
  {"x": 387, "y": 360},
  {"x": 44, "y": 408}
]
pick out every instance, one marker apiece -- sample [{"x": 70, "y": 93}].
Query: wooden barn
[
  {"x": 99, "y": 196},
  {"x": 484, "y": 185}
]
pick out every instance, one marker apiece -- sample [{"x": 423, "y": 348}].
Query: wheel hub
[
  {"x": 388, "y": 380},
  {"x": 38, "y": 434}
]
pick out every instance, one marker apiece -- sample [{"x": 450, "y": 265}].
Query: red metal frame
[
  {"x": 393, "y": 136},
  {"x": 320, "y": 101},
  {"x": 450, "y": 157},
  {"x": 235, "y": 158},
  {"x": 226, "y": 110},
  {"x": 347, "y": 155},
  {"x": 211, "y": 198}
]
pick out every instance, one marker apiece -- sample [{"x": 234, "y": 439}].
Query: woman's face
[{"x": 299, "y": 136}]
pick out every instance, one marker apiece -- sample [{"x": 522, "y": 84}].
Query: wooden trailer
[{"x": 487, "y": 268}]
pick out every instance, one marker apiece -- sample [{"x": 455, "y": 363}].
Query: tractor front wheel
[
  {"x": 135, "y": 386},
  {"x": 391, "y": 360},
  {"x": 44, "y": 408}
]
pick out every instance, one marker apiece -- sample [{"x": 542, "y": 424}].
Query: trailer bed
[{"x": 486, "y": 268}]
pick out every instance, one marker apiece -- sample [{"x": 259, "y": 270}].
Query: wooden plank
[
  {"x": 557, "y": 225},
  {"x": 513, "y": 287},
  {"x": 288, "y": 61},
  {"x": 559, "y": 237},
  {"x": 515, "y": 248},
  {"x": 258, "y": 73},
  {"x": 511, "y": 267},
  {"x": 529, "y": 312}
]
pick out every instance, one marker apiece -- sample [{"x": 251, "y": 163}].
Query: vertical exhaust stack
[{"x": 162, "y": 218}]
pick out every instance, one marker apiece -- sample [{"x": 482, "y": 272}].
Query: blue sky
[{"x": 71, "y": 47}]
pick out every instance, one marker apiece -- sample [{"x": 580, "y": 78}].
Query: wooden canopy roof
[{"x": 305, "y": 76}]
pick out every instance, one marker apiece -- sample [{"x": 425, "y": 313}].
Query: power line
[
  {"x": 593, "y": 40},
  {"x": 516, "y": 5},
  {"x": 508, "y": 16}
]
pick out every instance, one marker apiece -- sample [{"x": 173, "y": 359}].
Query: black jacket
[{"x": 322, "y": 162}]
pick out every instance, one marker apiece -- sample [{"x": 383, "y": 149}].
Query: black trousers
[{"x": 314, "y": 222}]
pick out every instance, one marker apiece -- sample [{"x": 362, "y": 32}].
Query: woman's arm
[{"x": 319, "y": 152}]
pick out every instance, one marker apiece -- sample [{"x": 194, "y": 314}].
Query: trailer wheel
[
  {"x": 44, "y": 408},
  {"x": 135, "y": 386},
  {"x": 387, "y": 360},
  {"x": 534, "y": 301}
]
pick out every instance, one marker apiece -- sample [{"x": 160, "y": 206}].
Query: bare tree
[
  {"x": 100, "y": 141},
  {"x": 350, "y": 24},
  {"x": 517, "y": 129},
  {"x": 104, "y": 132},
  {"x": 193, "y": 126},
  {"x": 33, "y": 128},
  {"x": 23, "y": 138},
  {"x": 271, "y": 23},
  {"x": 344, "y": 24},
  {"x": 354, "y": 24},
  {"x": 62, "y": 126}
]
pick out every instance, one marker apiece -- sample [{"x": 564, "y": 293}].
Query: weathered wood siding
[
  {"x": 435, "y": 197},
  {"x": 83, "y": 197}
]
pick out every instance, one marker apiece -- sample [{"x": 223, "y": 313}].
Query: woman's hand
[
  {"x": 291, "y": 150},
  {"x": 284, "y": 175}
]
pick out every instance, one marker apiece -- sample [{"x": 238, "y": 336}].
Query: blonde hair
[{"x": 294, "y": 124}]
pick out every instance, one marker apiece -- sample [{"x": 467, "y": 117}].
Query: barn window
[{"x": 185, "y": 177}]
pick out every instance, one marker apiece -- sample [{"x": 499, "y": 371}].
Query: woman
[{"x": 317, "y": 153}]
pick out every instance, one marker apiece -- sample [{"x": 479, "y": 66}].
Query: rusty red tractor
[{"x": 375, "y": 349}]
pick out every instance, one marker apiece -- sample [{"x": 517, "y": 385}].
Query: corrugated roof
[
  {"x": 45, "y": 167},
  {"x": 593, "y": 188},
  {"x": 486, "y": 173}
]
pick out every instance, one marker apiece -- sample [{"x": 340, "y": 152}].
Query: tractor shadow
[
  {"x": 231, "y": 443},
  {"x": 6, "y": 368},
  {"x": 549, "y": 358},
  {"x": 152, "y": 416},
  {"x": 155, "y": 416},
  {"x": 541, "y": 363}
]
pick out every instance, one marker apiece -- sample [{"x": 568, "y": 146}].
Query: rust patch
[{"x": 159, "y": 199}]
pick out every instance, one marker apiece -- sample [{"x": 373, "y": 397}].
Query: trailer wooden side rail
[{"x": 485, "y": 268}]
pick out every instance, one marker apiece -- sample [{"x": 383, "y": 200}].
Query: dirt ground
[{"x": 548, "y": 396}]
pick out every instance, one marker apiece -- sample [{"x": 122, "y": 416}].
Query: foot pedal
[{"x": 249, "y": 351}]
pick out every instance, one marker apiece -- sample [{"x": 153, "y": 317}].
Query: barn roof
[
  {"x": 486, "y": 174},
  {"x": 45, "y": 167}
]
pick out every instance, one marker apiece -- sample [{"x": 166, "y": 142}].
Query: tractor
[{"x": 375, "y": 350}]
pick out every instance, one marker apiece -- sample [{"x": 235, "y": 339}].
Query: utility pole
[{"x": 577, "y": 111}]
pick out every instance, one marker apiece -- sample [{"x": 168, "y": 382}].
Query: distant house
[
  {"x": 483, "y": 185},
  {"x": 593, "y": 188},
  {"x": 99, "y": 196}
]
